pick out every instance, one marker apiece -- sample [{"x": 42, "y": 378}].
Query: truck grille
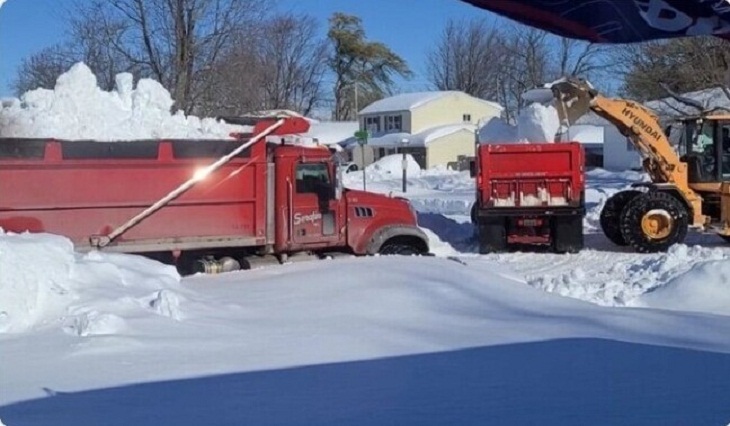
[{"x": 363, "y": 212}]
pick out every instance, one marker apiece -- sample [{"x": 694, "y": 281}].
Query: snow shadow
[
  {"x": 458, "y": 235},
  {"x": 565, "y": 382}
]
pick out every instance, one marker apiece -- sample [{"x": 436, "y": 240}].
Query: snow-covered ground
[{"x": 604, "y": 336}]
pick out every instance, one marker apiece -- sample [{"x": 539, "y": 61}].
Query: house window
[
  {"x": 381, "y": 152},
  {"x": 466, "y": 118},
  {"x": 372, "y": 124},
  {"x": 393, "y": 123}
]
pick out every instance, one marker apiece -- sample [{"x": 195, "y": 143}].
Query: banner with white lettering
[{"x": 618, "y": 21}]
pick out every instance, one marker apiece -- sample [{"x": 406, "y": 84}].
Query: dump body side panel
[{"x": 82, "y": 189}]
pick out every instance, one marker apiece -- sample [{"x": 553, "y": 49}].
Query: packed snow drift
[
  {"x": 78, "y": 109},
  {"x": 45, "y": 284}
]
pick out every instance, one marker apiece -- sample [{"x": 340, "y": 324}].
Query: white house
[
  {"x": 618, "y": 151},
  {"x": 434, "y": 127}
]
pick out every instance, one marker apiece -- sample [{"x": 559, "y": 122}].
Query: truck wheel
[
  {"x": 567, "y": 234},
  {"x": 654, "y": 221},
  {"x": 399, "y": 249},
  {"x": 611, "y": 215},
  {"x": 492, "y": 235}
]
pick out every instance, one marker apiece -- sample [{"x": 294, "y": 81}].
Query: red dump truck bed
[
  {"x": 81, "y": 189},
  {"x": 530, "y": 193},
  {"x": 531, "y": 175}
]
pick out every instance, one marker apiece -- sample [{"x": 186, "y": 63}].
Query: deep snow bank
[
  {"x": 44, "y": 283},
  {"x": 78, "y": 109},
  {"x": 392, "y": 165}
]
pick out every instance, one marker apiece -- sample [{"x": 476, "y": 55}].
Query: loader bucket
[{"x": 572, "y": 100}]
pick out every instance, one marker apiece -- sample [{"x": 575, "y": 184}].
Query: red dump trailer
[
  {"x": 529, "y": 194},
  {"x": 203, "y": 204}
]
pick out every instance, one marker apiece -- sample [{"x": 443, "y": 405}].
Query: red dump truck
[
  {"x": 529, "y": 194},
  {"x": 205, "y": 205}
]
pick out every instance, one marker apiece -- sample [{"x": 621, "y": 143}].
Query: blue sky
[{"x": 409, "y": 27}]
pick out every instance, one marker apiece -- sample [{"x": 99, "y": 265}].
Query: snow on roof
[
  {"x": 411, "y": 101},
  {"x": 710, "y": 98},
  {"x": 332, "y": 132},
  {"x": 420, "y": 139}
]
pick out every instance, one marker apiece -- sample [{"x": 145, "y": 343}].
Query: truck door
[{"x": 314, "y": 209}]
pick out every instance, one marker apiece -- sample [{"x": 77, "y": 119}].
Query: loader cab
[{"x": 705, "y": 146}]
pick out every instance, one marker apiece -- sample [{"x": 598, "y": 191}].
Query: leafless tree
[
  {"x": 468, "y": 57},
  {"x": 295, "y": 60},
  {"x": 176, "y": 42},
  {"x": 282, "y": 66},
  {"x": 657, "y": 69},
  {"x": 41, "y": 69},
  {"x": 501, "y": 64}
]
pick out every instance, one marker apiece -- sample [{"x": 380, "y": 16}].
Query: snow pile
[
  {"x": 44, "y": 283},
  {"x": 704, "y": 288},
  {"x": 538, "y": 123},
  {"x": 498, "y": 131},
  {"x": 34, "y": 279},
  {"x": 392, "y": 165},
  {"x": 624, "y": 280},
  {"x": 78, "y": 109}
]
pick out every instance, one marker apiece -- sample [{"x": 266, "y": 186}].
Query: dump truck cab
[{"x": 315, "y": 212}]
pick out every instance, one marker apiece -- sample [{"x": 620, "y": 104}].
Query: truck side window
[{"x": 312, "y": 178}]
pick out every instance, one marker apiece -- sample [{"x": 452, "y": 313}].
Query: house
[
  {"x": 617, "y": 150},
  {"x": 434, "y": 127}
]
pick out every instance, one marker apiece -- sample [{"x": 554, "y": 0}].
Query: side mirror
[{"x": 472, "y": 168}]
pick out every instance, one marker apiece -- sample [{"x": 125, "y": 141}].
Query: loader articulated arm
[{"x": 575, "y": 98}]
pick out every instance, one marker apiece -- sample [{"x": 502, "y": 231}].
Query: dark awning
[{"x": 617, "y": 21}]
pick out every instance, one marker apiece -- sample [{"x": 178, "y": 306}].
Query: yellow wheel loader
[{"x": 690, "y": 186}]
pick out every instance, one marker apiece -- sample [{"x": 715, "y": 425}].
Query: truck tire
[
  {"x": 611, "y": 215},
  {"x": 492, "y": 235},
  {"x": 567, "y": 234},
  {"x": 399, "y": 249},
  {"x": 654, "y": 221}
]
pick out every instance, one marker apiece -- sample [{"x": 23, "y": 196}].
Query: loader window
[
  {"x": 725, "y": 153},
  {"x": 313, "y": 178}
]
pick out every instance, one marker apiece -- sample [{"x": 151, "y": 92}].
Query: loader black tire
[
  {"x": 492, "y": 235},
  {"x": 611, "y": 215},
  {"x": 635, "y": 222},
  {"x": 567, "y": 234}
]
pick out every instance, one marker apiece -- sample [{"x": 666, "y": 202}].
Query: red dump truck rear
[{"x": 529, "y": 194}]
